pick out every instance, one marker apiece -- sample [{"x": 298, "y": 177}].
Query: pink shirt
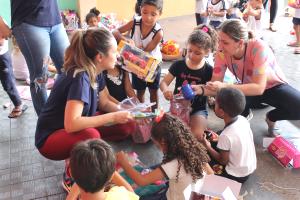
[{"x": 259, "y": 60}]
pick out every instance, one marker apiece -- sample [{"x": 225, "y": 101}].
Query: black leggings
[
  {"x": 284, "y": 98},
  {"x": 273, "y": 9}
]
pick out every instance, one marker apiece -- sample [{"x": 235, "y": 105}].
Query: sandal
[
  {"x": 272, "y": 28},
  {"x": 17, "y": 112},
  {"x": 293, "y": 44},
  {"x": 297, "y": 50}
]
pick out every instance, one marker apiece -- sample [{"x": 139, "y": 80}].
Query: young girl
[
  {"x": 146, "y": 34},
  {"x": 253, "y": 16},
  {"x": 193, "y": 70},
  {"x": 184, "y": 162}
]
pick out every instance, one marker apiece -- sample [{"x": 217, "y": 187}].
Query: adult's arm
[
  {"x": 105, "y": 102},
  {"x": 5, "y": 31},
  {"x": 74, "y": 121}
]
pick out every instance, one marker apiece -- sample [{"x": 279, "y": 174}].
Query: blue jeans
[
  {"x": 8, "y": 80},
  {"x": 37, "y": 45}
]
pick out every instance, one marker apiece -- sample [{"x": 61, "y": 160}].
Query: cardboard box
[
  {"x": 138, "y": 62},
  {"x": 287, "y": 152},
  {"x": 213, "y": 187}
]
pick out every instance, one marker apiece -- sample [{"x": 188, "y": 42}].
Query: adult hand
[
  {"x": 215, "y": 85},
  {"x": 121, "y": 117},
  {"x": 5, "y": 31}
]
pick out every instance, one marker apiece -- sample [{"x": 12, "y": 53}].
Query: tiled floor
[{"x": 25, "y": 174}]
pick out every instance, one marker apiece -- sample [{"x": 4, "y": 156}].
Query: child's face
[
  {"x": 195, "y": 54},
  {"x": 218, "y": 111},
  {"x": 255, "y": 3},
  {"x": 150, "y": 15},
  {"x": 93, "y": 22}
]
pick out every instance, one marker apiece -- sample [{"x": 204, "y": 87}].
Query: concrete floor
[{"x": 25, "y": 174}]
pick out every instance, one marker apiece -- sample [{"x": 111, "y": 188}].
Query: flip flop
[
  {"x": 293, "y": 44},
  {"x": 17, "y": 112},
  {"x": 297, "y": 50}
]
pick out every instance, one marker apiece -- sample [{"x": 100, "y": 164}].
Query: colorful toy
[
  {"x": 70, "y": 20},
  {"x": 170, "y": 47},
  {"x": 138, "y": 62}
]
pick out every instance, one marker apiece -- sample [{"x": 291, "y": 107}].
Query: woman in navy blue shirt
[{"x": 69, "y": 114}]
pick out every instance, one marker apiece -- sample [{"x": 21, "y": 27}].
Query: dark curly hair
[{"x": 181, "y": 144}]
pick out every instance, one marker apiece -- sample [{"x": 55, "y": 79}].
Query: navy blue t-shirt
[
  {"x": 183, "y": 74},
  {"x": 65, "y": 88},
  {"x": 43, "y": 13}
]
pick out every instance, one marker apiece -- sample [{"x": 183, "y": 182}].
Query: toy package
[
  {"x": 138, "y": 62},
  {"x": 70, "y": 20}
]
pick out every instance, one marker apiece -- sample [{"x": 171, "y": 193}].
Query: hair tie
[{"x": 204, "y": 29}]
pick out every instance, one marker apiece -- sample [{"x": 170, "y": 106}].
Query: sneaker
[
  {"x": 67, "y": 182},
  {"x": 272, "y": 130},
  {"x": 250, "y": 115}
]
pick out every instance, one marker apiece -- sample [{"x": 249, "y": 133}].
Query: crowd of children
[{"x": 92, "y": 81}]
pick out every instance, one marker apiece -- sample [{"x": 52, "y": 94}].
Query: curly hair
[{"x": 181, "y": 144}]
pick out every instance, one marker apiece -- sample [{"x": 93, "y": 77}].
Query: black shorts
[
  {"x": 296, "y": 21},
  {"x": 139, "y": 84}
]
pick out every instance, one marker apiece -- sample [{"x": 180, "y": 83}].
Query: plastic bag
[
  {"x": 142, "y": 133},
  {"x": 181, "y": 108}
]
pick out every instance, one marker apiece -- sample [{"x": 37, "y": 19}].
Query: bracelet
[{"x": 202, "y": 89}]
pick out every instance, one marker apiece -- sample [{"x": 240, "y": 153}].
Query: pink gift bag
[
  {"x": 142, "y": 133},
  {"x": 181, "y": 108}
]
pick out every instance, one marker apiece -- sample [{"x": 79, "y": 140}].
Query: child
[
  {"x": 93, "y": 19},
  {"x": 137, "y": 7},
  {"x": 8, "y": 80},
  {"x": 253, "y": 16},
  {"x": 216, "y": 12},
  {"x": 235, "y": 144},
  {"x": 296, "y": 22},
  {"x": 92, "y": 165},
  {"x": 200, "y": 11},
  {"x": 193, "y": 70},
  {"x": 146, "y": 34},
  {"x": 185, "y": 160}
]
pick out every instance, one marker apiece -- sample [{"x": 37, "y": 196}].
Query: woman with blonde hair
[{"x": 69, "y": 114}]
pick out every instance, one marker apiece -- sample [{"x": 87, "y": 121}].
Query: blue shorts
[
  {"x": 203, "y": 113},
  {"x": 296, "y": 21},
  {"x": 139, "y": 84}
]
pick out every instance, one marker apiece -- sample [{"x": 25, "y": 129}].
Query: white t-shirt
[
  {"x": 3, "y": 47},
  {"x": 297, "y": 13},
  {"x": 237, "y": 138},
  {"x": 200, "y": 6},
  {"x": 175, "y": 191},
  {"x": 257, "y": 25},
  {"x": 221, "y": 5}
]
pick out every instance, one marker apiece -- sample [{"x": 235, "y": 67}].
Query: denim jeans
[
  {"x": 8, "y": 80},
  {"x": 37, "y": 45}
]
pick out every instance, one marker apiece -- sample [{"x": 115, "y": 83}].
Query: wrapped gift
[
  {"x": 286, "y": 152},
  {"x": 181, "y": 108},
  {"x": 138, "y": 62}
]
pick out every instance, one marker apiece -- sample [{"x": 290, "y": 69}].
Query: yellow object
[
  {"x": 120, "y": 193},
  {"x": 170, "y": 47}
]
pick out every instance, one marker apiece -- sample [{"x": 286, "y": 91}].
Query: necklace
[
  {"x": 233, "y": 69},
  {"x": 115, "y": 79}
]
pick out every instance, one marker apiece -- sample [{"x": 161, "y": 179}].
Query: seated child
[
  {"x": 253, "y": 16},
  {"x": 184, "y": 162},
  {"x": 235, "y": 145},
  {"x": 216, "y": 12},
  {"x": 92, "y": 165}
]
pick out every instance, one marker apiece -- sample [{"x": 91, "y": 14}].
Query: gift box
[
  {"x": 287, "y": 152},
  {"x": 138, "y": 61},
  {"x": 205, "y": 189}
]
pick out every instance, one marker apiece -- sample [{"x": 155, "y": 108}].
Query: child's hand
[
  {"x": 215, "y": 85},
  {"x": 206, "y": 142},
  {"x": 168, "y": 95},
  {"x": 121, "y": 157},
  {"x": 122, "y": 117}
]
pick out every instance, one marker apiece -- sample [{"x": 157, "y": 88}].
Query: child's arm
[
  {"x": 154, "y": 42},
  {"x": 220, "y": 13},
  {"x": 120, "y": 181},
  {"x": 208, "y": 169},
  {"x": 123, "y": 29},
  {"x": 5, "y": 31},
  {"x": 128, "y": 86},
  {"x": 222, "y": 157},
  {"x": 139, "y": 179},
  {"x": 168, "y": 94}
]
